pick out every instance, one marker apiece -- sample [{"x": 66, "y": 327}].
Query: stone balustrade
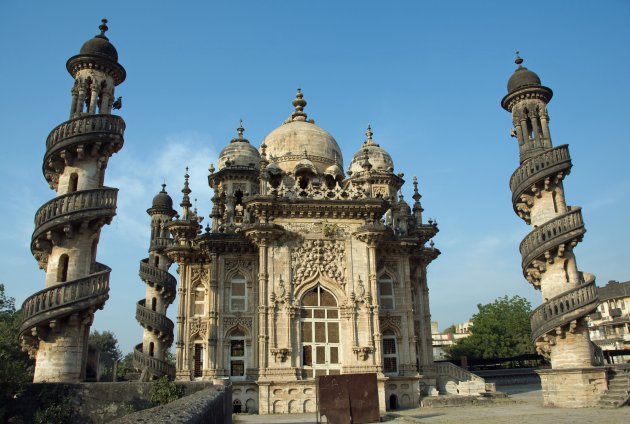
[
  {"x": 59, "y": 300},
  {"x": 564, "y": 308},
  {"x": 90, "y": 124},
  {"x": 75, "y": 206},
  {"x": 154, "y": 320},
  {"x": 561, "y": 229},
  {"x": 160, "y": 243},
  {"x": 158, "y": 276},
  {"x": 154, "y": 365},
  {"x": 539, "y": 167},
  {"x": 455, "y": 372},
  {"x": 322, "y": 192}
]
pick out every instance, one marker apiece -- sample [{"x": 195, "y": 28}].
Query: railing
[
  {"x": 551, "y": 234},
  {"x": 154, "y": 365},
  {"x": 457, "y": 373},
  {"x": 86, "y": 125},
  {"x": 156, "y": 275},
  {"x": 161, "y": 243},
  {"x": 98, "y": 199},
  {"x": 43, "y": 304},
  {"x": 564, "y": 308},
  {"x": 154, "y": 320},
  {"x": 549, "y": 162},
  {"x": 351, "y": 192}
]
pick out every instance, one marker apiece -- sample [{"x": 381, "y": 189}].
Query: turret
[
  {"x": 56, "y": 320},
  {"x": 149, "y": 356}
]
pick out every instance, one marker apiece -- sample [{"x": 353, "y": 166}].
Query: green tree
[
  {"x": 126, "y": 365},
  {"x": 107, "y": 343},
  {"x": 500, "y": 329},
  {"x": 16, "y": 369}
]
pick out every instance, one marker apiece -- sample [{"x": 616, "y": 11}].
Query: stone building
[
  {"x": 609, "y": 325},
  {"x": 56, "y": 320},
  {"x": 559, "y": 325},
  {"x": 303, "y": 271}
]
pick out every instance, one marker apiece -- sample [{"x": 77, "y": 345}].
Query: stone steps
[{"x": 618, "y": 393}]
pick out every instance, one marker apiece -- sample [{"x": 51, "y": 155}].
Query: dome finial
[
  {"x": 163, "y": 188},
  {"x": 518, "y": 60},
  {"x": 240, "y": 130},
  {"x": 369, "y": 135},
  {"x": 103, "y": 27},
  {"x": 299, "y": 103}
]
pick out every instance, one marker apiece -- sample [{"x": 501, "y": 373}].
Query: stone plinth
[{"x": 573, "y": 387}]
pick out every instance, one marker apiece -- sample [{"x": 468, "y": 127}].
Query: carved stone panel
[{"x": 319, "y": 257}]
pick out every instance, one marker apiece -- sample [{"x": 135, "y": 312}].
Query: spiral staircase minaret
[
  {"x": 150, "y": 355},
  {"x": 56, "y": 320},
  {"x": 559, "y": 328}
]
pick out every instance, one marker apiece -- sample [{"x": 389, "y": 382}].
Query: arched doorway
[{"x": 320, "y": 333}]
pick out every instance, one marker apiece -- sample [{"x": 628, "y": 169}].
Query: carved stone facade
[{"x": 304, "y": 272}]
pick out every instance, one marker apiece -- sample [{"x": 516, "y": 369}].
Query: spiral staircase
[
  {"x": 67, "y": 216},
  {"x": 156, "y": 325}
]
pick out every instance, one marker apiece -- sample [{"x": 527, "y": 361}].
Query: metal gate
[{"x": 348, "y": 398}]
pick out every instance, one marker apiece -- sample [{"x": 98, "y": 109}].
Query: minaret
[
  {"x": 56, "y": 320},
  {"x": 559, "y": 327},
  {"x": 160, "y": 292}
]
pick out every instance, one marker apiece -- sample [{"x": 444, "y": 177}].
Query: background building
[{"x": 609, "y": 325}]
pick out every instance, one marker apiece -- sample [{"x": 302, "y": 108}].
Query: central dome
[{"x": 298, "y": 138}]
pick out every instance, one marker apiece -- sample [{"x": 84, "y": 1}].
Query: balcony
[
  {"x": 153, "y": 321},
  {"x": 547, "y": 164},
  {"x": 154, "y": 275},
  {"x": 560, "y": 230}
]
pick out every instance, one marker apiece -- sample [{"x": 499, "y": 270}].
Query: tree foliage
[
  {"x": 16, "y": 369},
  {"x": 107, "y": 343},
  {"x": 165, "y": 391},
  {"x": 500, "y": 329}
]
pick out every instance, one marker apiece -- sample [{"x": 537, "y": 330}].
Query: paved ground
[{"x": 523, "y": 407}]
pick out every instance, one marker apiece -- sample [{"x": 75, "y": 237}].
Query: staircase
[{"x": 618, "y": 393}]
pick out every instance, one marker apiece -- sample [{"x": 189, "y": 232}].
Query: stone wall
[
  {"x": 104, "y": 402},
  {"x": 573, "y": 388},
  {"x": 212, "y": 405}
]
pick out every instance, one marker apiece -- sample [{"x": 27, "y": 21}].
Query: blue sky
[{"x": 428, "y": 76}]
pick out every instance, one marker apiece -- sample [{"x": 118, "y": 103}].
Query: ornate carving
[
  {"x": 236, "y": 264},
  {"x": 327, "y": 229},
  {"x": 319, "y": 257},
  {"x": 282, "y": 354},
  {"x": 198, "y": 327},
  {"x": 363, "y": 352},
  {"x": 238, "y": 320},
  {"x": 389, "y": 321},
  {"x": 199, "y": 274}
]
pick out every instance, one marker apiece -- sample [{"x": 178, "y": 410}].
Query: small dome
[
  {"x": 334, "y": 171},
  {"x": 305, "y": 164},
  {"x": 379, "y": 159},
  {"x": 239, "y": 153},
  {"x": 522, "y": 77},
  {"x": 162, "y": 200},
  {"x": 100, "y": 45},
  {"x": 298, "y": 138}
]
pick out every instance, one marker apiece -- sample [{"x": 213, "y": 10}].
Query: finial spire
[
  {"x": 518, "y": 60},
  {"x": 185, "y": 199},
  {"x": 369, "y": 135},
  {"x": 299, "y": 103},
  {"x": 417, "y": 207},
  {"x": 240, "y": 130},
  {"x": 163, "y": 188},
  {"x": 103, "y": 27}
]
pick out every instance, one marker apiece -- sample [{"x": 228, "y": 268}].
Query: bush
[{"x": 165, "y": 391}]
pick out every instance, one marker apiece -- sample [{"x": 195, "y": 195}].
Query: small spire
[
  {"x": 185, "y": 199},
  {"x": 299, "y": 103},
  {"x": 518, "y": 60},
  {"x": 369, "y": 135},
  {"x": 417, "y": 207},
  {"x": 103, "y": 27},
  {"x": 240, "y": 130},
  {"x": 163, "y": 188}
]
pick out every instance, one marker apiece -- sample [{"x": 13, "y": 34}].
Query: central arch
[{"x": 319, "y": 324}]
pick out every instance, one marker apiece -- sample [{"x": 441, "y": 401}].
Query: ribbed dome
[
  {"x": 239, "y": 153},
  {"x": 378, "y": 158},
  {"x": 522, "y": 77},
  {"x": 100, "y": 45},
  {"x": 162, "y": 201},
  {"x": 297, "y": 139}
]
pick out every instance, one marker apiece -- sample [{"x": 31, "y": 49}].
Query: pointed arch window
[
  {"x": 237, "y": 355},
  {"x": 390, "y": 353},
  {"x": 386, "y": 292},
  {"x": 238, "y": 294},
  {"x": 199, "y": 306}
]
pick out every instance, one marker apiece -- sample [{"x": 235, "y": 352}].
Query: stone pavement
[{"x": 523, "y": 407}]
